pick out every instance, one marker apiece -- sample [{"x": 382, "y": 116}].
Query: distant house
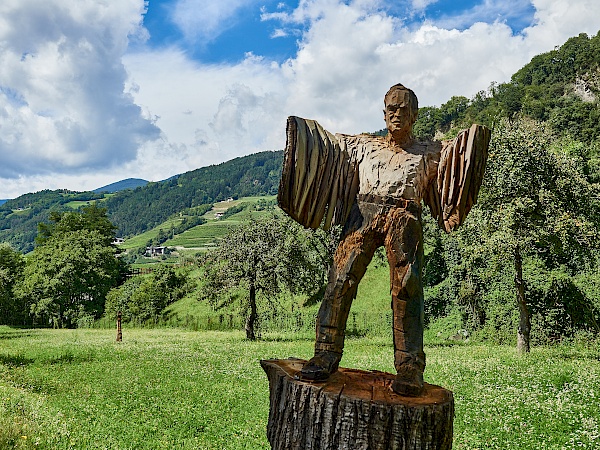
[
  {"x": 230, "y": 199},
  {"x": 118, "y": 241},
  {"x": 218, "y": 215},
  {"x": 155, "y": 251}
]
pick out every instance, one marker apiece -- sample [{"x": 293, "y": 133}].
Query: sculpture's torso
[{"x": 388, "y": 174}]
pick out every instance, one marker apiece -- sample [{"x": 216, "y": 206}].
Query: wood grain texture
[
  {"x": 353, "y": 409},
  {"x": 459, "y": 177},
  {"x": 318, "y": 182}
]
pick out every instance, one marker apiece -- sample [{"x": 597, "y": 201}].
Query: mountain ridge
[{"x": 127, "y": 183}]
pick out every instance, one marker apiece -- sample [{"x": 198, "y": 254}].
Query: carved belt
[{"x": 388, "y": 201}]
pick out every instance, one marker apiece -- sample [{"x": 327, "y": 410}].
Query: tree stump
[{"x": 353, "y": 409}]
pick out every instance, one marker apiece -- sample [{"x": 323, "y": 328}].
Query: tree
[
  {"x": 11, "y": 271},
  {"x": 536, "y": 204},
  {"x": 73, "y": 267},
  {"x": 90, "y": 218},
  {"x": 262, "y": 257}
]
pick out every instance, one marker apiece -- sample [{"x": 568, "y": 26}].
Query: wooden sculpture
[{"x": 373, "y": 186}]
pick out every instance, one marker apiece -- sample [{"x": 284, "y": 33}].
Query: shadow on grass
[
  {"x": 15, "y": 360},
  {"x": 16, "y": 333},
  {"x": 69, "y": 357}
]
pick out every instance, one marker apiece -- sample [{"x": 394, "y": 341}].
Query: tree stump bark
[{"x": 353, "y": 409}]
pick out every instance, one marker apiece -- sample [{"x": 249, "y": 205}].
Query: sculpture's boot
[
  {"x": 320, "y": 366},
  {"x": 409, "y": 381}
]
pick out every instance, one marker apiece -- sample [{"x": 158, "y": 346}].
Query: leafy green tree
[
  {"x": 12, "y": 264},
  {"x": 262, "y": 257},
  {"x": 73, "y": 267},
  {"x": 535, "y": 204},
  {"x": 68, "y": 277},
  {"x": 92, "y": 218}
]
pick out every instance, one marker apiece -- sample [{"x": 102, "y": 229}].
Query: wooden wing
[
  {"x": 459, "y": 177},
  {"x": 318, "y": 181}
]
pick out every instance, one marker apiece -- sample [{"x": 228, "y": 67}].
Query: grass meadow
[{"x": 176, "y": 389}]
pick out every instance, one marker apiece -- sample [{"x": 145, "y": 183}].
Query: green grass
[
  {"x": 202, "y": 236},
  {"x": 140, "y": 240},
  {"x": 169, "y": 388},
  {"x": 75, "y": 204}
]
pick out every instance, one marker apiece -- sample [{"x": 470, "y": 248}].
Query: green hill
[
  {"x": 134, "y": 212},
  {"x": 217, "y": 220},
  {"x": 19, "y": 217},
  {"x": 146, "y": 207}
]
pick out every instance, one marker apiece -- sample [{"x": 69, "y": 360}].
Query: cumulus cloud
[
  {"x": 422, "y": 4},
  {"x": 230, "y": 110},
  {"x": 351, "y": 54},
  {"x": 72, "y": 96},
  {"x": 62, "y": 105}
]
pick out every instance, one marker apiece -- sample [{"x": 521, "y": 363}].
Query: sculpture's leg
[
  {"x": 351, "y": 258},
  {"x": 404, "y": 246}
]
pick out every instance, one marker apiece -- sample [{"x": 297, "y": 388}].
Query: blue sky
[
  {"x": 93, "y": 92},
  {"x": 246, "y": 30}
]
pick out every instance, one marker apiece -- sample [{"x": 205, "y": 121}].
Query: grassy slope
[
  {"x": 201, "y": 236},
  {"x": 176, "y": 389}
]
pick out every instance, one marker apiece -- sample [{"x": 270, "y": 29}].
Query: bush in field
[{"x": 143, "y": 297}]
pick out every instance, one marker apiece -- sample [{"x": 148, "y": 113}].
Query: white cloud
[
  {"x": 207, "y": 113},
  {"x": 556, "y": 21},
  {"x": 422, "y": 4},
  {"x": 62, "y": 105},
  {"x": 279, "y": 32},
  {"x": 65, "y": 104},
  {"x": 204, "y": 20}
]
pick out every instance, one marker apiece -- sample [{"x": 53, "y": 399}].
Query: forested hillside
[
  {"x": 561, "y": 87},
  {"x": 136, "y": 211},
  {"x": 19, "y": 217}
]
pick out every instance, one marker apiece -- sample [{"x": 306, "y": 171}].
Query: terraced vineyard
[{"x": 207, "y": 235}]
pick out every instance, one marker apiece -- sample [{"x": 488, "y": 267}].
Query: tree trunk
[
  {"x": 251, "y": 320},
  {"x": 353, "y": 409},
  {"x": 119, "y": 329},
  {"x": 524, "y": 330}
]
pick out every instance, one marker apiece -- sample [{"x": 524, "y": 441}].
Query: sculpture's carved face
[{"x": 398, "y": 113}]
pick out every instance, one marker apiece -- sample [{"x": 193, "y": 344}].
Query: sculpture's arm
[
  {"x": 317, "y": 181},
  {"x": 460, "y": 173}
]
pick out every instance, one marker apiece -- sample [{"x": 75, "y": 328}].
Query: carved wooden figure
[{"x": 373, "y": 186}]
